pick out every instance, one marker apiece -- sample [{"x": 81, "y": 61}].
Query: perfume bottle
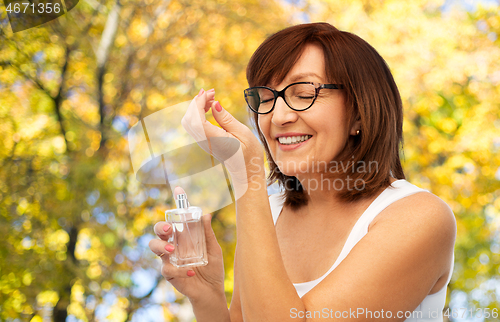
[{"x": 188, "y": 234}]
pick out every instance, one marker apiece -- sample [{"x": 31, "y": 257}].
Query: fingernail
[
  {"x": 190, "y": 273},
  {"x": 201, "y": 92},
  {"x": 166, "y": 228},
  {"x": 218, "y": 107},
  {"x": 169, "y": 248}
]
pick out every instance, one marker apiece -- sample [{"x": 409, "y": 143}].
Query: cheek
[
  {"x": 263, "y": 122},
  {"x": 331, "y": 119}
]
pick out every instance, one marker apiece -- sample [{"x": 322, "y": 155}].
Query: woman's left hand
[
  {"x": 201, "y": 283},
  {"x": 243, "y": 160}
]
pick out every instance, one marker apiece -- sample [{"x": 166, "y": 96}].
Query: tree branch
[
  {"x": 134, "y": 302},
  {"x": 102, "y": 54},
  {"x": 35, "y": 81},
  {"x": 58, "y": 99}
]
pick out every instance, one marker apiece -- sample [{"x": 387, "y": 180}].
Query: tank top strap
[
  {"x": 276, "y": 202},
  {"x": 398, "y": 190}
]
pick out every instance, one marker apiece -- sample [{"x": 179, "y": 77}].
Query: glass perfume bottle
[{"x": 188, "y": 234}]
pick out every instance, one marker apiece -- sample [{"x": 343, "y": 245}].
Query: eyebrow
[{"x": 303, "y": 75}]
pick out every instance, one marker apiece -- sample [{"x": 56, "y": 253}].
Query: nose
[{"x": 282, "y": 114}]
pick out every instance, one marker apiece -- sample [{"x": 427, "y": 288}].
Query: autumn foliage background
[{"x": 74, "y": 220}]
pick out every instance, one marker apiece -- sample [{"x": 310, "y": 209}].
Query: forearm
[
  {"x": 211, "y": 309},
  {"x": 266, "y": 292}
]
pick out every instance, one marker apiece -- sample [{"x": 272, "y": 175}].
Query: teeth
[{"x": 293, "y": 139}]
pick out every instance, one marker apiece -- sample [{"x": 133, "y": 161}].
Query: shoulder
[
  {"x": 422, "y": 207},
  {"x": 423, "y": 216},
  {"x": 409, "y": 248}
]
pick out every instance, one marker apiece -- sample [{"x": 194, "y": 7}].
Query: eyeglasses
[{"x": 298, "y": 96}]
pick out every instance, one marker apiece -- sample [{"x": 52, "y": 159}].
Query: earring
[{"x": 357, "y": 132}]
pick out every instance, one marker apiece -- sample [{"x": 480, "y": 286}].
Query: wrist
[
  {"x": 255, "y": 168},
  {"x": 207, "y": 294},
  {"x": 250, "y": 173},
  {"x": 210, "y": 307}
]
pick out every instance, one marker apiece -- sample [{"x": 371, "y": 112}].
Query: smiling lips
[{"x": 291, "y": 141}]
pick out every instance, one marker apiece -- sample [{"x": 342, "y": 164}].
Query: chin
[
  {"x": 288, "y": 173},
  {"x": 294, "y": 168}
]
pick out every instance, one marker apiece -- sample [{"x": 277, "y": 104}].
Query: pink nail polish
[
  {"x": 218, "y": 107},
  {"x": 166, "y": 228},
  {"x": 191, "y": 273},
  {"x": 169, "y": 248},
  {"x": 201, "y": 92}
]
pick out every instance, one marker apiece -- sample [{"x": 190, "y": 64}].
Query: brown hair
[{"x": 371, "y": 96}]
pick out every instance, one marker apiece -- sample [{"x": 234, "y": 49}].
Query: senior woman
[{"x": 348, "y": 238}]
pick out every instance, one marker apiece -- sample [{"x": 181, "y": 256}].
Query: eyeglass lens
[{"x": 298, "y": 96}]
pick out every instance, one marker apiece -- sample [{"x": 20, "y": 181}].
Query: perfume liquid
[{"x": 188, "y": 234}]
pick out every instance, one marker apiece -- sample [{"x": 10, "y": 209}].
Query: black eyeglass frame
[{"x": 282, "y": 94}]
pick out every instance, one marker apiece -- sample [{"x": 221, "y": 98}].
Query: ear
[{"x": 356, "y": 127}]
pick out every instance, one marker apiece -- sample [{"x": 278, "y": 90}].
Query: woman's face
[{"x": 325, "y": 121}]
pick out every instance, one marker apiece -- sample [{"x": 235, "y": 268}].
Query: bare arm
[
  {"x": 235, "y": 308},
  {"x": 266, "y": 293},
  {"x": 392, "y": 268},
  {"x": 212, "y": 308}
]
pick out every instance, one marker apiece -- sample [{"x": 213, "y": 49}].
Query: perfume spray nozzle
[{"x": 181, "y": 201}]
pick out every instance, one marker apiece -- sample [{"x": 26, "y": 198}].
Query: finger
[
  {"x": 210, "y": 99},
  {"x": 161, "y": 249},
  {"x": 210, "y": 96},
  {"x": 226, "y": 120},
  {"x": 169, "y": 271},
  {"x": 178, "y": 191},
  {"x": 195, "y": 122},
  {"x": 194, "y": 119},
  {"x": 163, "y": 230},
  {"x": 204, "y": 101}
]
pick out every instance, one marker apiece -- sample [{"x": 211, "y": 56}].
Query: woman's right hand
[
  {"x": 233, "y": 143},
  {"x": 197, "y": 283}
]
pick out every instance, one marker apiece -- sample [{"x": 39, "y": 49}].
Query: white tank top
[{"x": 431, "y": 308}]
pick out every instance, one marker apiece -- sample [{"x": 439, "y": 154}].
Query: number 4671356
[{"x": 34, "y": 8}]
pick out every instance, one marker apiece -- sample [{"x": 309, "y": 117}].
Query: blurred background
[{"x": 75, "y": 222}]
